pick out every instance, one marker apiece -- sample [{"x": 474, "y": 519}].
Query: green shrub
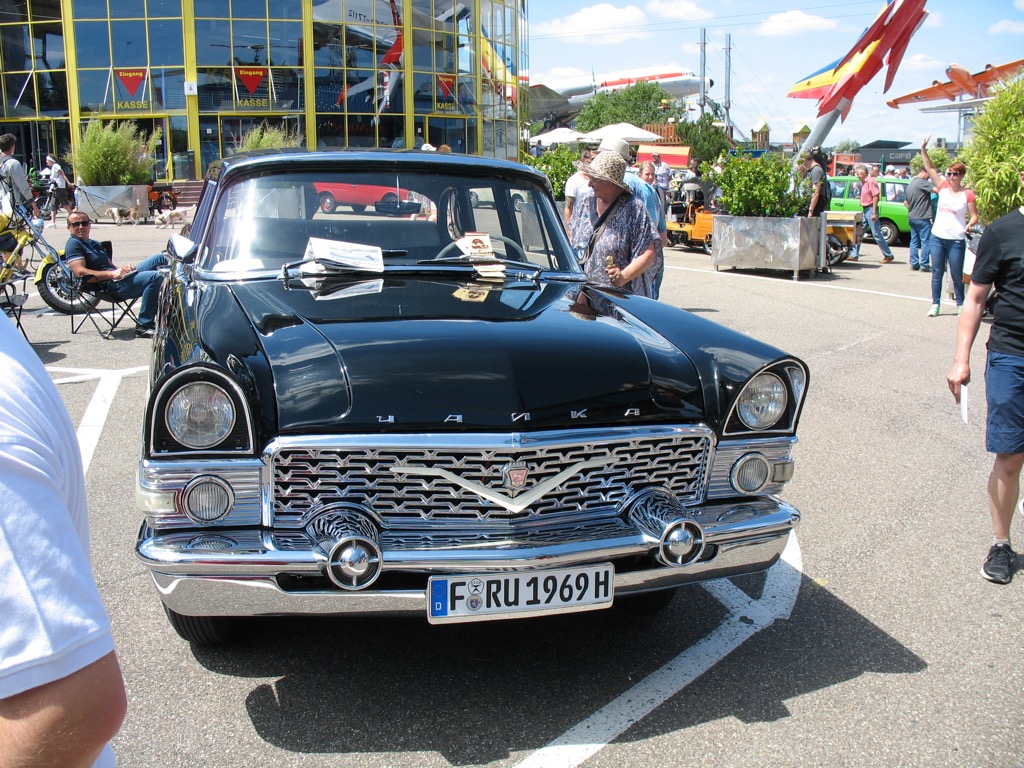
[
  {"x": 558, "y": 165},
  {"x": 994, "y": 155},
  {"x": 265, "y": 136},
  {"x": 759, "y": 186},
  {"x": 114, "y": 153}
]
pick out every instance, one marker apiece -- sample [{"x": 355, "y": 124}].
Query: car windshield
[{"x": 415, "y": 218}]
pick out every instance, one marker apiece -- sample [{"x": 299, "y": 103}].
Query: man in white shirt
[{"x": 62, "y": 697}]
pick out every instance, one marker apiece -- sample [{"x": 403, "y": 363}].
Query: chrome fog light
[
  {"x": 750, "y": 474},
  {"x": 206, "y": 499}
]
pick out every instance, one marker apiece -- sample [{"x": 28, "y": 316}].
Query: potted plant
[
  {"x": 114, "y": 166},
  {"x": 762, "y": 228}
]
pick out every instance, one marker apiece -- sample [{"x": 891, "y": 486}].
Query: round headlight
[
  {"x": 200, "y": 415},
  {"x": 762, "y": 402}
]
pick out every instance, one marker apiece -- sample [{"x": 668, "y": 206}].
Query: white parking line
[
  {"x": 805, "y": 283},
  {"x": 95, "y": 415},
  {"x": 746, "y": 618}
]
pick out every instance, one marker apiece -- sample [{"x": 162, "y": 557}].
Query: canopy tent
[
  {"x": 676, "y": 157},
  {"x": 623, "y": 131},
  {"x": 557, "y": 136}
]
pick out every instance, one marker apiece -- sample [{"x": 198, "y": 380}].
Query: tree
[
  {"x": 705, "y": 139},
  {"x": 558, "y": 164},
  {"x": 115, "y": 153},
  {"x": 994, "y": 155},
  {"x": 637, "y": 104},
  {"x": 846, "y": 147},
  {"x": 266, "y": 136}
]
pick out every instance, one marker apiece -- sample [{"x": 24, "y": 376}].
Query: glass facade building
[{"x": 343, "y": 73}]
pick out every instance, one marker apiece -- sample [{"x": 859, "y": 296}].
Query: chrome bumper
[{"x": 236, "y": 572}]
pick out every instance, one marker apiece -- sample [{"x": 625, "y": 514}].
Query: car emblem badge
[{"x": 515, "y": 475}]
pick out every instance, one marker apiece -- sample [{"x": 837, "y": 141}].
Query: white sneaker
[{"x": 934, "y": 311}]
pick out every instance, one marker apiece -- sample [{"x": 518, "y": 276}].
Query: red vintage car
[{"x": 358, "y": 196}]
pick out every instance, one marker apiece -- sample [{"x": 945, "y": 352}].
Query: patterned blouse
[{"x": 626, "y": 236}]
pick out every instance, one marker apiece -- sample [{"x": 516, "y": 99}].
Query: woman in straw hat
[{"x": 611, "y": 230}]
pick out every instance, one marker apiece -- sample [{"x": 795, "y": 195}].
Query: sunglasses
[
  {"x": 85, "y": 223},
  {"x": 953, "y": 173}
]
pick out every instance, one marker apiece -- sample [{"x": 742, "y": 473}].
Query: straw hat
[{"x": 607, "y": 166}]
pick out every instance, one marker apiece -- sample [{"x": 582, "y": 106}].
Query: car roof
[{"x": 389, "y": 160}]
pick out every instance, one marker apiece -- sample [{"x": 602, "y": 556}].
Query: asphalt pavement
[{"x": 895, "y": 650}]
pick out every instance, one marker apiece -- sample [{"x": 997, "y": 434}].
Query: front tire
[
  {"x": 707, "y": 245},
  {"x": 203, "y": 630},
  {"x": 57, "y": 290}
]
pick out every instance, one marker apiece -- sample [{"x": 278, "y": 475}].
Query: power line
[{"x": 719, "y": 21}]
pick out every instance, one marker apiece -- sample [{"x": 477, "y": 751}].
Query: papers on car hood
[
  {"x": 477, "y": 246},
  {"x": 324, "y": 256}
]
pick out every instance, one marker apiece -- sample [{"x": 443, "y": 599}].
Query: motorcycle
[{"x": 53, "y": 278}]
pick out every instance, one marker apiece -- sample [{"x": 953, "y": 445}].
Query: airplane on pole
[
  {"x": 557, "y": 106},
  {"x": 962, "y": 84},
  {"x": 882, "y": 44}
]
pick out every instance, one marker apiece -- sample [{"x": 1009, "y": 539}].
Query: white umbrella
[
  {"x": 557, "y": 136},
  {"x": 623, "y": 131}
]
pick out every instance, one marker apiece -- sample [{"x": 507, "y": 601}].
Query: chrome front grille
[{"x": 307, "y": 475}]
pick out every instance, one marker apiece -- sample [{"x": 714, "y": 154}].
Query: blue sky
[{"x": 774, "y": 44}]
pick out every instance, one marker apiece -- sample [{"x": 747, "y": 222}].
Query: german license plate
[{"x": 481, "y": 597}]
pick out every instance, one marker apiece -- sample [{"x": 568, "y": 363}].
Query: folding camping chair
[{"x": 104, "y": 310}]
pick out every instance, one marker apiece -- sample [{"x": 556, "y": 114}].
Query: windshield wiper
[{"x": 484, "y": 260}]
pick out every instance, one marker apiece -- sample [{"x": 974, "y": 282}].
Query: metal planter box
[
  {"x": 95, "y": 200},
  {"x": 754, "y": 242}
]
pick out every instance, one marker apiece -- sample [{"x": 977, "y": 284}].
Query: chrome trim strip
[
  {"x": 776, "y": 449},
  {"x": 157, "y": 477},
  {"x": 261, "y": 595},
  {"x": 236, "y": 553}
]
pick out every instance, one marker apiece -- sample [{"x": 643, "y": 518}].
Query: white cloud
[
  {"x": 1018, "y": 4},
  {"x": 1007, "y": 26},
  {"x": 793, "y": 23},
  {"x": 600, "y": 24},
  {"x": 685, "y": 10},
  {"x": 935, "y": 19},
  {"x": 922, "y": 62}
]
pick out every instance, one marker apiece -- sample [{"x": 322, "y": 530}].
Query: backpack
[{"x": 824, "y": 191}]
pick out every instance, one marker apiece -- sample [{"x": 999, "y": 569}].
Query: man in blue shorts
[{"x": 1001, "y": 263}]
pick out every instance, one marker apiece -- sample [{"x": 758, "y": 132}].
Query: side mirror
[{"x": 181, "y": 249}]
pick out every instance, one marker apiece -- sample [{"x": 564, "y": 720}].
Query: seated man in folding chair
[{"x": 88, "y": 260}]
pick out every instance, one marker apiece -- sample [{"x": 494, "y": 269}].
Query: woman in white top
[{"x": 956, "y": 214}]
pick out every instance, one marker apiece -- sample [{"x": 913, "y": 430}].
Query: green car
[{"x": 892, "y": 213}]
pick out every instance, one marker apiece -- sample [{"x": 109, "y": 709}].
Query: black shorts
[{"x": 60, "y": 194}]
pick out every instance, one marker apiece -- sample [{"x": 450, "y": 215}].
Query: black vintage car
[{"x": 424, "y": 408}]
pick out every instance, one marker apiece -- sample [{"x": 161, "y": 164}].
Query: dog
[
  {"x": 173, "y": 216},
  {"x": 121, "y": 215}
]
